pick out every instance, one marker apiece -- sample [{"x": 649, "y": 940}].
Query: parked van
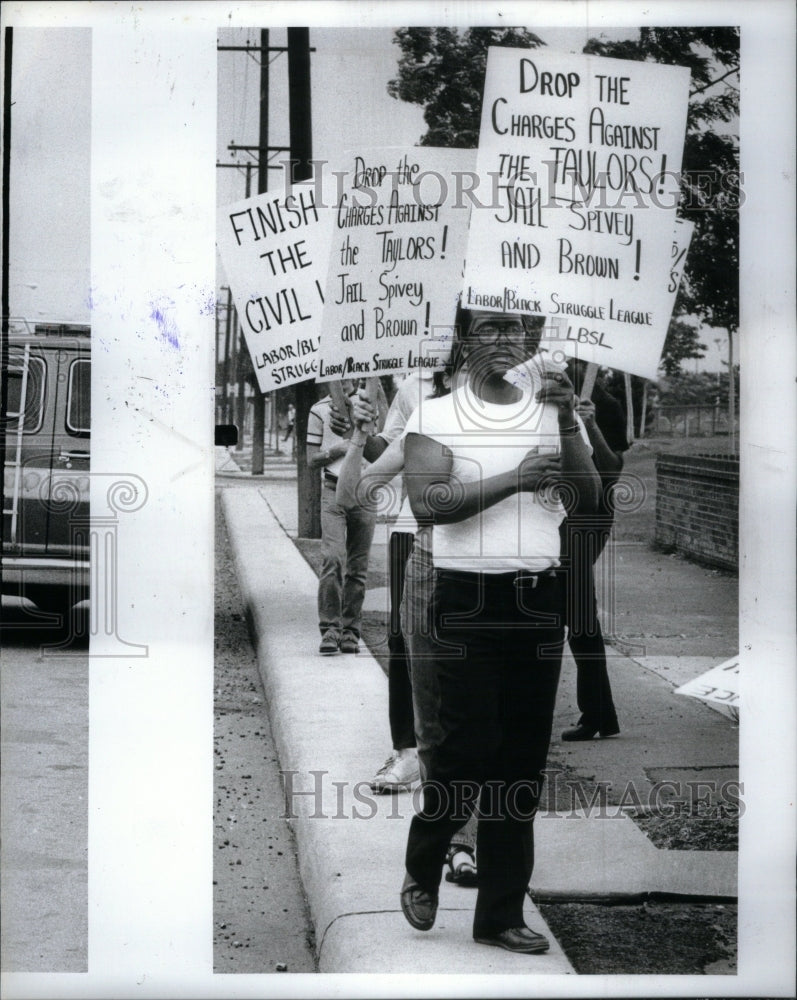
[{"x": 47, "y": 460}]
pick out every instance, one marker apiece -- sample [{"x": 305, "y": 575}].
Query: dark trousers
[
  {"x": 399, "y": 689},
  {"x": 498, "y": 681},
  {"x": 585, "y": 638}
]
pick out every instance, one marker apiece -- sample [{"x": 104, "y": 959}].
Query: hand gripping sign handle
[
  {"x": 589, "y": 384},
  {"x": 351, "y": 470},
  {"x": 342, "y": 403},
  {"x": 339, "y": 399},
  {"x": 371, "y": 387}
]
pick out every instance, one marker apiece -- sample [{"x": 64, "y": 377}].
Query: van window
[
  {"x": 34, "y": 394},
  {"x": 78, "y": 404}
]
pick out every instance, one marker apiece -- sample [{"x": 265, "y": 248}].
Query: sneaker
[
  {"x": 349, "y": 642},
  {"x": 399, "y": 772},
  {"x": 329, "y": 643}
]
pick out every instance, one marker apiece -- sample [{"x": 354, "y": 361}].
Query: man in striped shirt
[{"x": 346, "y": 535}]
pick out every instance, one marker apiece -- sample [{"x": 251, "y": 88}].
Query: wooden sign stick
[
  {"x": 629, "y": 403},
  {"x": 340, "y": 399},
  {"x": 589, "y": 381},
  {"x": 371, "y": 386}
]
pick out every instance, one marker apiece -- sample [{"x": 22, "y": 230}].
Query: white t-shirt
[
  {"x": 412, "y": 389},
  {"x": 520, "y": 532}
]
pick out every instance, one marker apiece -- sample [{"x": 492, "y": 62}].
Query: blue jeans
[{"x": 346, "y": 536}]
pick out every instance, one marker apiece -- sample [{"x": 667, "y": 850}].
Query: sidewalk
[{"x": 330, "y": 723}]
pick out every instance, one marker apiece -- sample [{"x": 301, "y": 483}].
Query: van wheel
[{"x": 52, "y": 600}]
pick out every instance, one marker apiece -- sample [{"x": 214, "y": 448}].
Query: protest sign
[
  {"x": 395, "y": 264},
  {"x": 719, "y": 685},
  {"x": 643, "y": 345},
  {"x": 682, "y": 238},
  {"x": 274, "y": 248},
  {"x": 556, "y": 345},
  {"x": 584, "y": 155}
]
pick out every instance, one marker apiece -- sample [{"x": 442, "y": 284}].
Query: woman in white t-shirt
[{"x": 488, "y": 467}]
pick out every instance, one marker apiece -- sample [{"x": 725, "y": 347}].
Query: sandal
[{"x": 461, "y": 866}]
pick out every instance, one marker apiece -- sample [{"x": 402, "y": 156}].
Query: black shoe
[
  {"x": 418, "y": 905},
  {"x": 523, "y": 940},
  {"x": 583, "y": 731}
]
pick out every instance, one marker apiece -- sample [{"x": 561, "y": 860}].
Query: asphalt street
[
  {"x": 43, "y": 799},
  {"x": 261, "y": 921}
]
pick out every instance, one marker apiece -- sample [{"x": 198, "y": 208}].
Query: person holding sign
[
  {"x": 485, "y": 466},
  {"x": 346, "y": 535},
  {"x": 412, "y": 687},
  {"x": 583, "y": 542},
  {"x": 400, "y": 770}
]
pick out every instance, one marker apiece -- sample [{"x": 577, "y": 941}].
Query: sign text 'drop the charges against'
[
  {"x": 586, "y": 152},
  {"x": 395, "y": 260}
]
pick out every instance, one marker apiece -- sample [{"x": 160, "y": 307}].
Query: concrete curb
[{"x": 329, "y": 721}]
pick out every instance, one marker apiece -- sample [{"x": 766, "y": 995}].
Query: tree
[
  {"x": 443, "y": 70},
  {"x": 680, "y": 345},
  {"x": 695, "y": 388}
]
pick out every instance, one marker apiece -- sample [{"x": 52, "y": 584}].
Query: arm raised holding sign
[
  {"x": 577, "y": 465},
  {"x": 363, "y": 419},
  {"x": 607, "y": 460},
  {"x": 605, "y": 431},
  {"x": 340, "y": 410}
]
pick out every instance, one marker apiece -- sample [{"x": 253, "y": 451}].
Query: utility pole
[
  {"x": 300, "y": 150},
  {"x": 227, "y": 329},
  {"x": 241, "y": 400},
  {"x": 261, "y": 150},
  {"x": 259, "y": 401},
  {"x": 731, "y": 392},
  {"x": 217, "y": 355},
  {"x": 301, "y": 141}
]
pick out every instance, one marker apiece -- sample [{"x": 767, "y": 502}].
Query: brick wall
[{"x": 697, "y": 507}]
